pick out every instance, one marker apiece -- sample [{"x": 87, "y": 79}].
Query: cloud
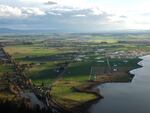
[
  {"x": 6, "y": 11},
  {"x": 34, "y": 1},
  {"x": 61, "y": 17},
  {"x": 9, "y": 11},
  {"x": 29, "y": 11},
  {"x": 79, "y": 15},
  {"x": 53, "y": 13},
  {"x": 69, "y": 14},
  {"x": 122, "y": 16}
]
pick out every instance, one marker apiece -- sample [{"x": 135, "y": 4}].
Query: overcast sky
[{"x": 75, "y": 15}]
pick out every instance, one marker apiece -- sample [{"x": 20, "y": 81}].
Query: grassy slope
[{"x": 64, "y": 94}]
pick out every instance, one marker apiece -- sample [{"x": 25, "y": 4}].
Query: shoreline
[{"x": 92, "y": 88}]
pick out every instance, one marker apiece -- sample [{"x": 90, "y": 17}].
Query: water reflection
[{"x": 127, "y": 97}]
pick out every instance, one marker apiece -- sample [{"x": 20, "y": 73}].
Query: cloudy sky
[{"x": 75, "y": 15}]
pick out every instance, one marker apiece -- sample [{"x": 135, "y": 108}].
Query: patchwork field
[{"x": 65, "y": 63}]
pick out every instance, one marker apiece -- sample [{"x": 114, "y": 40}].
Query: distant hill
[
  {"x": 15, "y": 31},
  {"x": 117, "y": 32},
  {"x": 6, "y": 30}
]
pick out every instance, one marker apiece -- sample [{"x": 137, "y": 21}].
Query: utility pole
[
  {"x": 91, "y": 72},
  {"x": 108, "y": 64}
]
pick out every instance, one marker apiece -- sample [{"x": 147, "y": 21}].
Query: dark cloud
[
  {"x": 63, "y": 20},
  {"x": 50, "y": 3},
  {"x": 123, "y": 16}
]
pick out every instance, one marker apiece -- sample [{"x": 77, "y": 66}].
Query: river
[
  {"x": 133, "y": 97},
  {"x": 34, "y": 100}
]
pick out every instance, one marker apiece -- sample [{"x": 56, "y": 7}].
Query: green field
[{"x": 47, "y": 54}]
